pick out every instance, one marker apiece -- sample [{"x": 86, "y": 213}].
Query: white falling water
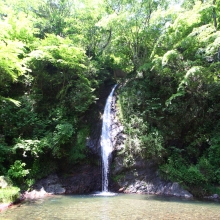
[{"x": 106, "y": 145}]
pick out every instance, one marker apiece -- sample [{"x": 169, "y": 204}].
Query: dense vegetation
[
  {"x": 54, "y": 56},
  {"x": 50, "y": 71},
  {"x": 170, "y": 103}
]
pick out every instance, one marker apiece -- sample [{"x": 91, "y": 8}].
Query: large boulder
[
  {"x": 4, "y": 182},
  {"x": 143, "y": 177},
  {"x": 51, "y": 184},
  {"x": 84, "y": 179}
]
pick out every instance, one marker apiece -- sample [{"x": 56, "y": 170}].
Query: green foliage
[
  {"x": 41, "y": 167},
  {"x": 9, "y": 194},
  {"x": 11, "y": 65},
  {"x": 172, "y": 99},
  {"x": 55, "y": 55},
  {"x": 142, "y": 140},
  {"x": 32, "y": 146},
  {"x": 62, "y": 135},
  {"x": 4, "y": 151},
  {"x": 78, "y": 151},
  {"x": 213, "y": 157},
  {"x": 177, "y": 170},
  {"x": 207, "y": 169},
  {"x": 171, "y": 58},
  {"x": 214, "y": 151},
  {"x": 17, "y": 172},
  {"x": 117, "y": 178},
  {"x": 13, "y": 38},
  {"x": 53, "y": 16},
  {"x": 191, "y": 176}
]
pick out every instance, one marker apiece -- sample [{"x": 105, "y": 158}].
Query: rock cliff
[{"x": 142, "y": 176}]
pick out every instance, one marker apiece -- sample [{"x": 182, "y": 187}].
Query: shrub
[
  {"x": 17, "y": 172},
  {"x": 9, "y": 194}
]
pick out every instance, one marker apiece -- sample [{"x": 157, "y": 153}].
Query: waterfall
[{"x": 106, "y": 144}]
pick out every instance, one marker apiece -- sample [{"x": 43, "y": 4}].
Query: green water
[{"x": 119, "y": 207}]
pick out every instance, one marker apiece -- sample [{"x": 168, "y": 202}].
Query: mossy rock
[
  {"x": 8, "y": 193},
  {"x": 4, "y": 182}
]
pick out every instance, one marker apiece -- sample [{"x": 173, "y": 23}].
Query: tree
[{"x": 132, "y": 29}]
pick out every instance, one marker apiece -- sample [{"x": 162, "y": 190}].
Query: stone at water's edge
[
  {"x": 51, "y": 185},
  {"x": 214, "y": 197},
  {"x": 84, "y": 179},
  {"x": 143, "y": 178},
  {"x": 4, "y": 206},
  {"x": 36, "y": 194},
  {"x": 4, "y": 182}
]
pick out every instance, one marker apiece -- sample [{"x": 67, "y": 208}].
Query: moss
[
  {"x": 9, "y": 194},
  {"x": 118, "y": 177},
  {"x": 213, "y": 190}
]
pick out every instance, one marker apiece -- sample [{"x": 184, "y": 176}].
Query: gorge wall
[{"x": 141, "y": 177}]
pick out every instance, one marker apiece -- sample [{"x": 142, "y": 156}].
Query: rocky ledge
[
  {"x": 143, "y": 178},
  {"x": 84, "y": 179}
]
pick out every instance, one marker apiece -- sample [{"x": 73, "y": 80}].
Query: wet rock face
[
  {"x": 51, "y": 184},
  {"x": 84, "y": 179},
  {"x": 143, "y": 177},
  {"x": 95, "y": 118},
  {"x": 117, "y": 131}
]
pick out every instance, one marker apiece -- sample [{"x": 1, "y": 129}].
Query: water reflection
[
  {"x": 114, "y": 207},
  {"x": 103, "y": 193}
]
